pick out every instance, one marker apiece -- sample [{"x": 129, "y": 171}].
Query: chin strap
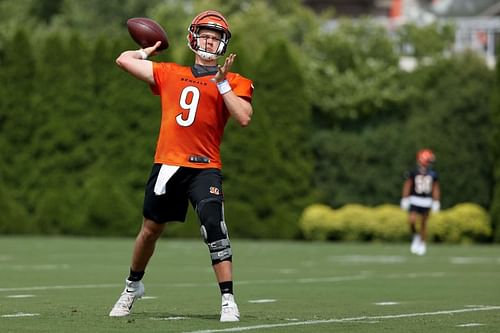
[{"x": 206, "y": 55}]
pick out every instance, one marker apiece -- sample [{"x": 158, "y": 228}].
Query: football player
[
  {"x": 421, "y": 193},
  {"x": 196, "y": 103}
]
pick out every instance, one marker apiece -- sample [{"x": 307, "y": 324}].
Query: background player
[
  {"x": 196, "y": 104},
  {"x": 421, "y": 193}
]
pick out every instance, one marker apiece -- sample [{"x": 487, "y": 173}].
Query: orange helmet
[
  {"x": 213, "y": 20},
  {"x": 425, "y": 157}
]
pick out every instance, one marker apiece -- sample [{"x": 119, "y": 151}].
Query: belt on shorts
[{"x": 198, "y": 159}]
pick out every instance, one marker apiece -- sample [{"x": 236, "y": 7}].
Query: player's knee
[
  {"x": 214, "y": 231},
  {"x": 151, "y": 231}
]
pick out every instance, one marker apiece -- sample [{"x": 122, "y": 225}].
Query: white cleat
[
  {"x": 421, "y": 249},
  {"x": 229, "y": 311},
  {"x": 415, "y": 244},
  {"x": 132, "y": 292}
]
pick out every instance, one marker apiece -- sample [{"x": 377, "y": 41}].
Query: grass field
[{"x": 70, "y": 284}]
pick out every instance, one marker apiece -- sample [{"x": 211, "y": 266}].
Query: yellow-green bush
[
  {"x": 391, "y": 223},
  {"x": 357, "y": 222},
  {"x": 317, "y": 222},
  {"x": 462, "y": 223}
]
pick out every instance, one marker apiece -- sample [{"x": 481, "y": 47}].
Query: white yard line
[
  {"x": 474, "y": 260},
  {"x": 81, "y": 286},
  {"x": 19, "y": 314},
  {"x": 387, "y": 303},
  {"x": 470, "y": 325},
  {"x": 353, "y": 319},
  {"x": 170, "y": 318},
  {"x": 330, "y": 279},
  {"x": 42, "y": 267},
  {"x": 191, "y": 285}
]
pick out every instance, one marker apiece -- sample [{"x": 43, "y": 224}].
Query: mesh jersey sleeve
[
  {"x": 160, "y": 69},
  {"x": 241, "y": 86}
]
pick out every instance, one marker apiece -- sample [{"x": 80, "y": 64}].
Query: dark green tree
[
  {"x": 63, "y": 100},
  {"x": 17, "y": 125},
  {"x": 269, "y": 177},
  {"x": 45, "y": 10},
  {"x": 451, "y": 115},
  {"x": 430, "y": 40},
  {"x": 363, "y": 166},
  {"x": 127, "y": 118},
  {"x": 495, "y": 149},
  {"x": 359, "y": 104},
  {"x": 353, "y": 75},
  {"x": 17, "y": 118},
  {"x": 14, "y": 218}
]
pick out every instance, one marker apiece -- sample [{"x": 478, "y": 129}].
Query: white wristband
[
  {"x": 436, "y": 206},
  {"x": 405, "y": 203},
  {"x": 223, "y": 87},
  {"x": 143, "y": 54}
]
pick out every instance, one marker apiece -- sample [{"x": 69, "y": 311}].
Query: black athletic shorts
[
  {"x": 419, "y": 210},
  {"x": 186, "y": 184}
]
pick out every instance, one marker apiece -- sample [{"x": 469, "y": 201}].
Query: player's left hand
[
  {"x": 436, "y": 206},
  {"x": 224, "y": 69}
]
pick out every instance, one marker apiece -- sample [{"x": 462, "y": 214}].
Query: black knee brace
[{"x": 213, "y": 229}]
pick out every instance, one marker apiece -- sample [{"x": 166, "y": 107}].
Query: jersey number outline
[
  {"x": 192, "y": 106},
  {"x": 423, "y": 184}
]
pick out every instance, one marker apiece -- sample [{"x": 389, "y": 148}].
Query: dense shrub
[{"x": 463, "y": 223}]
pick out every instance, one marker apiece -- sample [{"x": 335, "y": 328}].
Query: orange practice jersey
[{"x": 193, "y": 115}]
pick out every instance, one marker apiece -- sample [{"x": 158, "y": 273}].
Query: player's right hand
[
  {"x": 151, "y": 51},
  {"x": 405, "y": 203}
]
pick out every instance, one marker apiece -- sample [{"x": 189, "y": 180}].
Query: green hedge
[{"x": 463, "y": 223}]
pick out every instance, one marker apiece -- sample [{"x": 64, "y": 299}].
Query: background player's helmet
[
  {"x": 213, "y": 20},
  {"x": 425, "y": 157}
]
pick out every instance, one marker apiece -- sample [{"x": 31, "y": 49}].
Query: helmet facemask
[
  {"x": 210, "y": 20},
  {"x": 199, "y": 44}
]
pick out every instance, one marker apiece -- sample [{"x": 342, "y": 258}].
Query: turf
[{"x": 69, "y": 285}]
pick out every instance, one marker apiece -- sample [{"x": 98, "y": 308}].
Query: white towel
[{"x": 166, "y": 172}]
